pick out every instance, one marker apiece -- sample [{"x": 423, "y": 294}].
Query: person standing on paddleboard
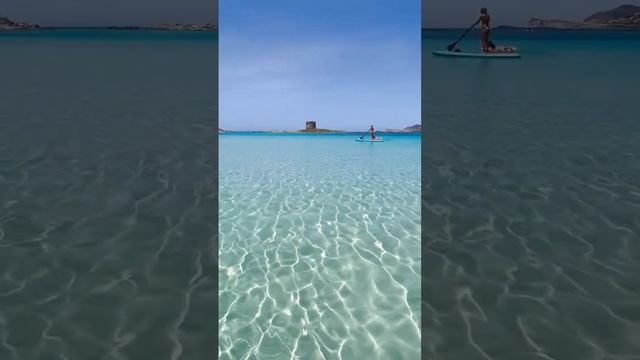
[
  {"x": 485, "y": 28},
  {"x": 373, "y": 132}
]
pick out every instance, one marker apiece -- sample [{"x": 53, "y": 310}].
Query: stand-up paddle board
[
  {"x": 504, "y": 52},
  {"x": 370, "y": 140}
]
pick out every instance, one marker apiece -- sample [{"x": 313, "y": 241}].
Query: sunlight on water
[{"x": 319, "y": 247}]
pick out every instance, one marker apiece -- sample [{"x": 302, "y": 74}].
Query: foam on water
[
  {"x": 319, "y": 247},
  {"x": 532, "y": 199}
]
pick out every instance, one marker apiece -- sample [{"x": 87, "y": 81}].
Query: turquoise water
[
  {"x": 531, "y": 214},
  {"x": 108, "y": 195},
  {"x": 319, "y": 247}
]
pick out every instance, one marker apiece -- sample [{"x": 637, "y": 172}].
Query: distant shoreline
[
  {"x": 413, "y": 129},
  {"x": 314, "y": 133},
  {"x": 538, "y": 28},
  {"x": 7, "y": 24},
  {"x": 111, "y": 28}
]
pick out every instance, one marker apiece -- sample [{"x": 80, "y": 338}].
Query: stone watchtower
[{"x": 311, "y": 125}]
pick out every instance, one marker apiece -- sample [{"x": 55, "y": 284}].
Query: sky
[
  {"x": 462, "y": 13},
  {"x": 346, "y": 64},
  {"x": 109, "y": 12}
]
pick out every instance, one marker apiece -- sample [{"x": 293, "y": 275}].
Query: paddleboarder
[
  {"x": 372, "y": 131},
  {"x": 485, "y": 29},
  {"x": 489, "y": 49}
]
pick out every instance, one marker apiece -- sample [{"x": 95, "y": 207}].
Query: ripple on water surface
[
  {"x": 107, "y": 196},
  {"x": 532, "y": 203},
  {"x": 319, "y": 248}
]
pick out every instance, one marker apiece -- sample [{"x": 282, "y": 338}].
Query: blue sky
[{"x": 343, "y": 63}]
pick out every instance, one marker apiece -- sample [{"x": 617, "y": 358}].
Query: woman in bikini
[{"x": 485, "y": 28}]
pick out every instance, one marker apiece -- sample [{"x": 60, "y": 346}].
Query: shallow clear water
[
  {"x": 319, "y": 247},
  {"x": 107, "y": 195},
  {"x": 531, "y": 215}
]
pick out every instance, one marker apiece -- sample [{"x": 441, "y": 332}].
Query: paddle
[
  {"x": 363, "y": 135},
  {"x": 453, "y": 46}
]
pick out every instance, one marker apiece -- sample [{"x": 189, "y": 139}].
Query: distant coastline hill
[
  {"x": 622, "y": 17},
  {"x": 625, "y": 14},
  {"x": 414, "y": 128},
  {"x": 409, "y": 129}
]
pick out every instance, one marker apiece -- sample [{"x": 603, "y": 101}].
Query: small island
[
  {"x": 7, "y": 24},
  {"x": 622, "y": 17},
  {"x": 311, "y": 128}
]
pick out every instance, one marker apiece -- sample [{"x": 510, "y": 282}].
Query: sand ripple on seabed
[
  {"x": 322, "y": 270},
  {"x": 106, "y": 255},
  {"x": 526, "y": 261}
]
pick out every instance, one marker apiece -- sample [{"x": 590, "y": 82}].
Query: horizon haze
[{"x": 98, "y": 13}]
